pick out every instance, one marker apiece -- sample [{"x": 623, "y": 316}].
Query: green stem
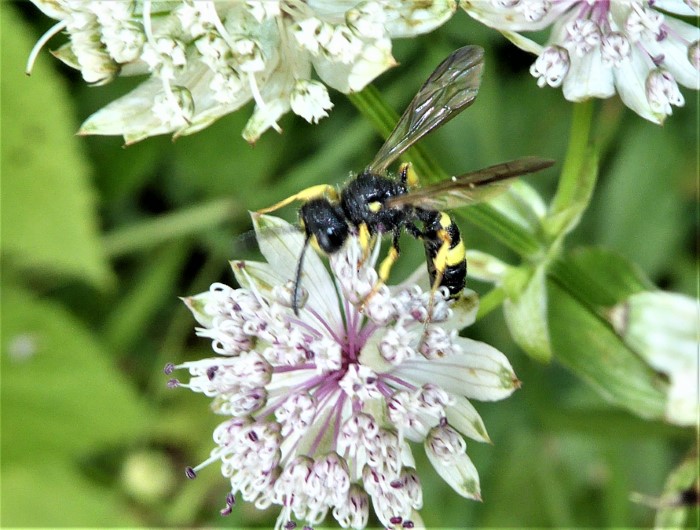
[
  {"x": 371, "y": 104},
  {"x": 578, "y": 177},
  {"x": 576, "y": 153},
  {"x": 152, "y": 232}
]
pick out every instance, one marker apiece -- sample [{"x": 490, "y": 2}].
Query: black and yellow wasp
[{"x": 373, "y": 204}]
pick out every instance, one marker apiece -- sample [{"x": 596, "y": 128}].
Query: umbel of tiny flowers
[
  {"x": 207, "y": 58},
  {"x": 320, "y": 408},
  {"x": 599, "y": 47}
]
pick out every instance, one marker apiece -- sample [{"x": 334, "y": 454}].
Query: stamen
[
  {"x": 147, "y": 27},
  {"x": 259, "y": 100},
  {"x": 56, "y": 28}
]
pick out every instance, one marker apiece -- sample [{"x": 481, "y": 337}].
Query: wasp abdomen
[{"x": 444, "y": 250}]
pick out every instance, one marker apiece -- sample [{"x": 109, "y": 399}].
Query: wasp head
[{"x": 325, "y": 224}]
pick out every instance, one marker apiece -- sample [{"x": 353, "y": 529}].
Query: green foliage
[
  {"x": 99, "y": 241},
  {"x": 62, "y": 398},
  {"x": 44, "y": 171}
]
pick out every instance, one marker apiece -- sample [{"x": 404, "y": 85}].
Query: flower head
[
  {"x": 597, "y": 48},
  {"x": 321, "y": 405},
  {"x": 225, "y": 53}
]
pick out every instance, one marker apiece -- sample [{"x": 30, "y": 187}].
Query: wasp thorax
[
  {"x": 324, "y": 222},
  {"x": 363, "y": 202}
]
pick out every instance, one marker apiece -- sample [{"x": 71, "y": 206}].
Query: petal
[
  {"x": 464, "y": 417},
  {"x": 480, "y": 372},
  {"x": 52, "y": 8},
  {"x": 675, "y": 52},
  {"x": 485, "y": 267},
  {"x": 459, "y": 473},
  {"x": 588, "y": 77},
  {"x": 683, "y": 406},
  {"x": 408, "y": 19},
  {"x": 264, "y": 277},
  {"x": 374, "y": 59},
  {"x": 464, "y": 311},
  {"x": 196, "y": 305},
  {"x": 508, "y": 18},
  {"x": 676, "y": 6},
  {"x": 281, "y": 244},
  {"x": 131, "y": 115},
  {"x": 630, "y": 82}
]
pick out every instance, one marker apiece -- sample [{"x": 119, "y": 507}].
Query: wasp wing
[
  {"x": 470, "y": 188},
  {"x": 450, "y": 89}
]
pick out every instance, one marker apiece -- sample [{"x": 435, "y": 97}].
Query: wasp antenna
[{"x": 297, "y": 277}]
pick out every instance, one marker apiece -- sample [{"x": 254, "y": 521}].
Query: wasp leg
[
  {"x": 413, "y": 230},
  {"x": 366, "y": 239},
  {"x": 407, "y": 175},
  {"x": 388, "y": 262},
  {"x": 385, "y": 266},
  {"x": 313, "y": 192}
]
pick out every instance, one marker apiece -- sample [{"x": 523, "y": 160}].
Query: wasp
[{"x": 374, "y": 203}]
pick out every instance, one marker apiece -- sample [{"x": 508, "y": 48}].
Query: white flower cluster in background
[
  {"x": 321, "y": 406},
  {"x": 209, "y": 58},
  {"x": 596, "y": 48}
]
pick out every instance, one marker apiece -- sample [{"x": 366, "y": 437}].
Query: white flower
[
  {"x": 225, "y": 53},
  {"x": 321, "y": 406},
  {"x": 310, "y": 100},
  {"x": 595, "y": 49}
]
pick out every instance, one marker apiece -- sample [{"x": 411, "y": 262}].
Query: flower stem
[
  {"x": 371, "y": 104},
  {"x": 575, "y": 154},
  {"x": 578, "y": 175}
]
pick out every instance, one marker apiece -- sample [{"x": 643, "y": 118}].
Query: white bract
[
  {"x": 207, "y": 58},
  {"x": 663, "y": 328},
  {"x": 597, "y": 48},
  {"x": 321, "y": 405}
]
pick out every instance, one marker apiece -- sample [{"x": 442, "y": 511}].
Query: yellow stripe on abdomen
[{"x": 456, "y": 255}]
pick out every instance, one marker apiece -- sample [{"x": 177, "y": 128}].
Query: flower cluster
[
  {"x": 599, "y": 47},
  {"x": 321, "y": 405},
  {"x": 207, "y": 58}
]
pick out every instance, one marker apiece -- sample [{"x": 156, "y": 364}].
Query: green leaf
[
  {"x": 49, "y": 221},
  {"x": 526, "y": 316},
  {"x": 51, "y": 493},
  {"x": 134, "y": 312},
  {"x": 589, "y": 347},
  {"x": 640, "y": 210},
  {"x": 600, "y": 277},
  {"x": 151, "y": 232},
  {"x": 61, "y": 395}
]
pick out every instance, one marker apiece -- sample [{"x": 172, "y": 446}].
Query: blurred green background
[{"x": 98, "y": 241}]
